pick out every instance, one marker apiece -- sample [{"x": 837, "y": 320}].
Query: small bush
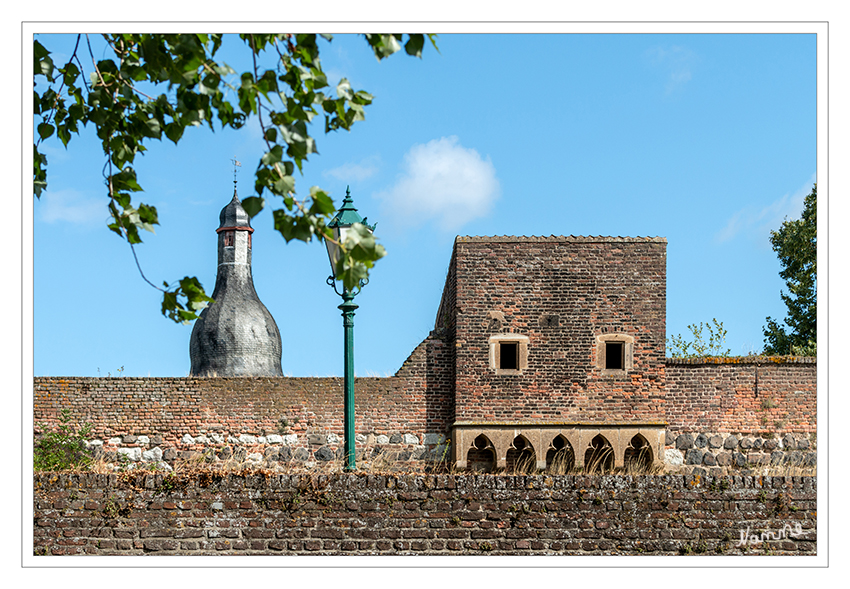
[{"x": 63, "y": 449}]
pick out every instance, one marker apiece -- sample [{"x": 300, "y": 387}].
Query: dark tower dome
[{"x": 236, "y": 335}]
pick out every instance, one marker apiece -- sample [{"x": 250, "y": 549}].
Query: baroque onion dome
[{"x": 236, "y": 335}]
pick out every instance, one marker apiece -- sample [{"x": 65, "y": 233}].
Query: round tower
[{"x": 236, "y": 335}]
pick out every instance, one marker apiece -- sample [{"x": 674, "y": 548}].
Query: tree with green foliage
[
  {"x": 193, "y": 88},
  {"x": 796, "y": 244}
]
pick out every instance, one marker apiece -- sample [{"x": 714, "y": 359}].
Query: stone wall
[
  {"x": 429, "y": 514},
  {"x": 563, "y": 294}
]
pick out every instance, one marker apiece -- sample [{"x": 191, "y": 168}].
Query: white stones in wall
[
  {"x": 333, "y": 439},
  {"x": 114, "y": 441},
  {"x": 274, "y": 439},
  {"x": 216, "y": 438},
  {"x": 186, "y": 439},
  {"x": 247, "y": 439},
  {"x": 290, "y": 439},
  {"x": 411, "y": 439},
  {"x": 143, "y": 440},
  {"x": 94, "y": 444},
  {"x": 673, "y": 457},
  {"x": 382, "y": 439},
  {"x": 132, "y": 454},
  {"x": 202, "y": 439},
  {"x": 154, "y": 455}
]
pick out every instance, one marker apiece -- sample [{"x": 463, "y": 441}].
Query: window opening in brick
[
  {"x": 560, "y": 458},
  {"x": 614, "y": 356},
  {"x": 509, "y": 356},
  {"x": 228, "y": 238},
  {"x": 599, "y": 457}
]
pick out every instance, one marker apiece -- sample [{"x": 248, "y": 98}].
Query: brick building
[{"x": 545, "y": 351}]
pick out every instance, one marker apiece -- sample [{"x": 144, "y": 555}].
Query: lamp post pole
[
  {"x": 346, "y": 217},
  {"x": 347, "y": 307}
]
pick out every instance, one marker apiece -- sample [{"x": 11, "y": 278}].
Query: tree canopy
[
  {"x": 796, "y": 245},
  {"x": 193, "y": 88}
]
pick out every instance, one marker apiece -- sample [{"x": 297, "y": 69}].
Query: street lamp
[{"x": 341, "y": 224}]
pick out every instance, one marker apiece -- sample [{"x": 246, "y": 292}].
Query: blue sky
[{"x": 708, "y": 140}]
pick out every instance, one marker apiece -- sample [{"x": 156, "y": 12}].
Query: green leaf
[
  {"x": 45, "y": 130},
  {"x": 414, "y": 45},
  {"x": 253, "y": 205},
  {"x": 322, "y": 203}
]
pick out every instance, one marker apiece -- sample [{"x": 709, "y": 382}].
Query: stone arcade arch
[
  {"x": 500, "y": 438},
  {"x": 599, "y": 456},
  {"x": 481, "y": 457},
  {"x": 638, "y": 455},
  {"x": 561, "y": 457},
  {"x": 520, "y": 456}
]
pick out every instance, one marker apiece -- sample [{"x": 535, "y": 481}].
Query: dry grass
[{"x": 562, "y": 463}]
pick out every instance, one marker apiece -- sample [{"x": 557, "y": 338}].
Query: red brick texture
[
  {"x": 743, "y": 395},
  {"x": 417, "y": 401},
  {"x": 424, "y": 514},
  {"x": 560, "y": 292}
]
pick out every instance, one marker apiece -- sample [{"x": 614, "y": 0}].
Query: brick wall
[
  {"x": 417, "y": 400},
  {"x": 744, "y": 395},
  {"x": 560, "y": 292},
  {"x": 426, "y": 514}
]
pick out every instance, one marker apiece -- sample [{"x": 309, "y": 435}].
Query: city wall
[{"x": 264, "y": 514}]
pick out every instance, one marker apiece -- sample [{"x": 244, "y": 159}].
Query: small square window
[
  {"x": 614, "y": 357},
  {"x": 508, "y": 355}
]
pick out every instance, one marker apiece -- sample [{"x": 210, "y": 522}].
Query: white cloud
[
  {"x": 71, "y": 206},
  {"x": 355, "y": 172},
  {"x": 759, "y": 222},
  {"x": 442, "y": 181},
  {"x": 676, "y": 61}
]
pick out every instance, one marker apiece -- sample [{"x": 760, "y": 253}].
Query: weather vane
[{"x": 236, "y": 164}]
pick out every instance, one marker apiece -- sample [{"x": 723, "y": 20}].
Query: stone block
[
  {"x": 317, "y": 439},
  {"x": 684, "y": 442}
]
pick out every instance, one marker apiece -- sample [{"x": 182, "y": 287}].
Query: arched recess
[
  {"x": 560, "y": 459},
  {"x": 599, "y": 456},
  {"x": 481, "y": 457},
  {"x": 520, "y": 458},
  {"x": 638, "y": 455}
]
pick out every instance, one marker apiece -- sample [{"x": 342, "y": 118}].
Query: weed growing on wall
[
  {"x": 678, "y": 347},
  {"x": 63, "y": 448}
]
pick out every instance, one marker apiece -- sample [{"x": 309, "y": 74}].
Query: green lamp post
[{"x": 345, "y": 217}]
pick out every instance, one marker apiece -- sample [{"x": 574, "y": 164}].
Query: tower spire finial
[{"x": 236, "y": 164}]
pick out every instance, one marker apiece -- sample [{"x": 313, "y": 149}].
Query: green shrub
[{"x": 64, "y": 448}]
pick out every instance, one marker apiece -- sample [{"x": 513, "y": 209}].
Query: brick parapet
[
  {"x": 743, "y": 395},
  {"x": 374, "y": 514}
]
